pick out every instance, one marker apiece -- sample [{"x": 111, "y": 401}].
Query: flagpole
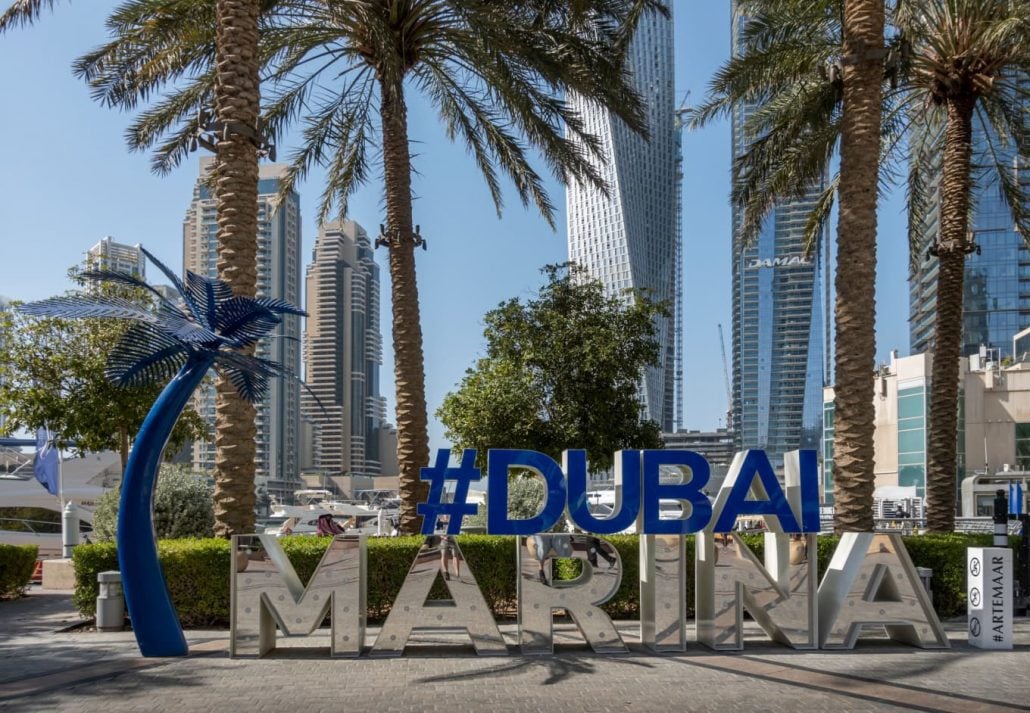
[{"x": 60, "y": 474}]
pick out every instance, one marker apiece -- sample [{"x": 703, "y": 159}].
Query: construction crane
[{"x": 726, "y": 381}]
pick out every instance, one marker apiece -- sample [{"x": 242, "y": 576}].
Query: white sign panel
[{"x": 989, "y": 597}]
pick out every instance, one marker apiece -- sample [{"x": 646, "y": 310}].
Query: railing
[
  {"x": 914, "y": 525},
  {"x": 38, "y": 527}
]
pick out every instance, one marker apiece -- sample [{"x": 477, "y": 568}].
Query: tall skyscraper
[
  {"x": 778, "y": 343},
  {"x": 278, "y": 414},
  {"x": 109, "y": 255},
  {"x": 996, "y": 299},
  {"x": 343, "y": 349},
  {"x": 629, "y": 239}
]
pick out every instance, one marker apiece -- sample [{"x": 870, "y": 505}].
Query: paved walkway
[{"x": 43, "y": 668}]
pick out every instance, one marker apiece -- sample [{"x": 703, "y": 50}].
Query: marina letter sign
[{"x": 870, "y": 583}]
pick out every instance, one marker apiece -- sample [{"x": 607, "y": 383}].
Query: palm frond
[
  {"x": 145, "y": 355},
  {"x": 241, "y": 321},
  {"x": 24, "y": 12},
  {"x": 86, "y": 307},
  {"x": 194, "y": 309},
  {"x": 279, "y": 306},
  {"x": 819, "y": 216},
  {"x": 121, "y": 278},
  {"x": 207, "y": 293},
  {"x": 249, "y": 375},
  {"x": 1006, "y": 166}
]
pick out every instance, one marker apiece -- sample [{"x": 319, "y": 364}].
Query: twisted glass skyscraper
[
  {"x": 629, "y": 238},
  {"x": 778, "y": 341}
]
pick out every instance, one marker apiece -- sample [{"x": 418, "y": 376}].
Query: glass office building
[
  {"x": 778, "y": 340},
  {"x": 630, "y": 238},
  {"x": 996, "y": 294}
]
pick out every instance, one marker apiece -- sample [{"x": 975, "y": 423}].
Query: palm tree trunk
[
  {"x": 942, "y": 430},
  {"x": 856, "y": 251},
  {"x": 237, "y": 100},
  {"x": 409, "y": 371}
]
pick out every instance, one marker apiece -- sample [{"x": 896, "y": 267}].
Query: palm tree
[
  {"x": 208, "y": 326},
  {"x": 237, "y": 100},
  {"x": 496, "y": 73},
  {"x": 968, "y": 63},
  {"x": 855, "y": 311},
  {"x": 784, "y": 44},
  {"x": 237, "y": 103},
  {"x": 794, "y": 64}
]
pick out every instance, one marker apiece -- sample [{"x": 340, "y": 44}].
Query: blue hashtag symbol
[{"x": 434, "y": 506}]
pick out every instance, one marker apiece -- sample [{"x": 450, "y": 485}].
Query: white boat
[
  {"x": 84, "y": 480},
  {"x": 354, "y": 518}
]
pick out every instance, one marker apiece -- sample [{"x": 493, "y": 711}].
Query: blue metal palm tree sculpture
[{"x": 176, "y": 343}]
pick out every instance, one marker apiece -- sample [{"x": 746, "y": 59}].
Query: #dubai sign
[{"x": 870, "y": 581}]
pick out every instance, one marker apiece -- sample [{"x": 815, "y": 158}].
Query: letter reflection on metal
[
  {"x": 871, "y": 582},
  {"x": 539, "y": 595},
  {"x": 469, "y": 612},
  {"x": 663, "y": 587},
  {"x": 780, "y": 596},
  {"x": 266, "y": 592}
]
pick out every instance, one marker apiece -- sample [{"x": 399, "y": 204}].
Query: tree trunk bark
[
  {"x": 409, "y": 371},
  {"x": 853, "y": 473},
  {"x": 237, "y": 99},
  {"x": 123, "y": 446},
  {"x": 942, "y": 429}
]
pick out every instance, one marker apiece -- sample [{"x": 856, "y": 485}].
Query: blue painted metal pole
[{"x": 154, "y": 621}]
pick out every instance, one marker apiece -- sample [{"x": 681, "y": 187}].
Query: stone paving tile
[{"x": 879, "y": 676}]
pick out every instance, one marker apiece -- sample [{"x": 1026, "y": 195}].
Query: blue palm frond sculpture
[{"x": 178, "y": 342}]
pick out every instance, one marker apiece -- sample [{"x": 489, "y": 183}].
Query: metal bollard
[
  {"x": 926, "y": 575},
  {"x": 69, "y": 529},
  {"x": 110, "y": 603},
  {"x": 1001, "y": 519}
]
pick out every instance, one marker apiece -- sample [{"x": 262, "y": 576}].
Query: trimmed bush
[
  {"x": 197, "y": 571},
  {"x": 16, "y": 565}
]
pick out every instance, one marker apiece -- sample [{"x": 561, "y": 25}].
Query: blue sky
[{"x": 67, "y": 180}]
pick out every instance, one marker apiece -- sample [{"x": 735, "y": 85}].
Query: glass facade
[
  {"x": 630, "y": 238},
  {"x": 997, "y": 279},
  {"x": 778, "y": 342},
  {"x": 1022, "y": 446},
  {"x": 912, "y": 436}
]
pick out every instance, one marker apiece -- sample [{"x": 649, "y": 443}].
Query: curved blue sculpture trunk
[{"x": 154, "y": 621}]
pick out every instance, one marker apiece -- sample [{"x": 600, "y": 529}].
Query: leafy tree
[
  {"x": 52, "y": 374},
  {"x": 496, "y": 73},
  {"x": 949, "y": 65},
  {"x": 182, "y": 506},
  {"x": 561, "y": 371},
  {"x": 525, "y": 500}
]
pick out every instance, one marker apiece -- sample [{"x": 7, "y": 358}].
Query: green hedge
[
  {"x": 197, "y": 571},
  {"x": 16, "y": 565}
]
